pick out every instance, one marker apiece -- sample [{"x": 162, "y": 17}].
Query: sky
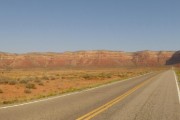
[{"x": 73, "y": 25}]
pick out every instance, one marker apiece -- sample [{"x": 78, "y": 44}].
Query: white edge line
[
  {"x": 175, "y": 77},
  {"x": 46, "y": 99}
]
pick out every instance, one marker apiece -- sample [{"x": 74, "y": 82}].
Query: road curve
[{"x": 149, "y": 97}]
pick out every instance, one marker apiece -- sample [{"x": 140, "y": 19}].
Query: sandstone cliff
[{"x": 86, "y": 58}]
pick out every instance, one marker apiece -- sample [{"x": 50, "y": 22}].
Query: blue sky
[{"x": 72, "y": 25}]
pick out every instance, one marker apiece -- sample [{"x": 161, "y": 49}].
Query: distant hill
[
  {"x": 101, "y": 58},
  {"x": 175, "y": 59}
]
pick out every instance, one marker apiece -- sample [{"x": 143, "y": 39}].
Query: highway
[{"x": 153, "y": 96}]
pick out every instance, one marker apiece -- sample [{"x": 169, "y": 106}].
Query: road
[{"x": 150, "y": 97}]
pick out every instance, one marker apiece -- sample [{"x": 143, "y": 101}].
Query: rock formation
[{"x": 88, "y": 58}]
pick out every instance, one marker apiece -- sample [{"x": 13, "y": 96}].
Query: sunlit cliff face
[{"x": 85, "y": 58}]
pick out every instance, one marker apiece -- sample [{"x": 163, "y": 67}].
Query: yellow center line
[{"x": 104, "y": 107}]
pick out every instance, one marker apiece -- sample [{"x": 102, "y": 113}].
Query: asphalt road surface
[{"x": 150, "y": 97}]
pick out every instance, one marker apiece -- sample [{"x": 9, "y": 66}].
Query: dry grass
[
  {"x": 21, "y": 85},
  {"x": 178, "y": 73}
]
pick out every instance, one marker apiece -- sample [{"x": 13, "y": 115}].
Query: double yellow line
[{"x": 104, "y": 107}]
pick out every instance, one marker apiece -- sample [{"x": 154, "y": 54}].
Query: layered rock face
[
  {"x": 175, "y": 59},
  {"x": 85, "y": 58}
]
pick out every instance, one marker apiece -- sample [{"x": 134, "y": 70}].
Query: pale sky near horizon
[{"x": 72, "y": 25}]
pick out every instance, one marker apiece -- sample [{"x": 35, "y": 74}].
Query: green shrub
[
  {"x": 9, "y": 101},
  {"x": 12, "y": 82},
  {"x": 3, "y": 81},
  {"x": 52, "y": 78},
  {"x": 37, "y": 81},
  {"x": 109, "y": 76},
  {"x": 28, "y": 91},
  {"x": 178, "y": 75},
  {"x": 41, "y": 84},
  {"x": 87, "y": 76},
  {"x": 57, "y": 75},
  {"x": 31, "y": 78},
  {"x": 45, "y": 78},
  {"x": 26, "y": 80},
  {"x": 23, "y": 81},
  {"x": 103, "y": 75},
  {"x": 1, "y": 91},
  {"x": 31, "y": 86}
]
